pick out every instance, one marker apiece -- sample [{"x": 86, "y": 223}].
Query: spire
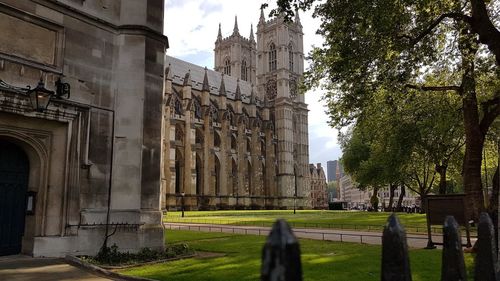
[
  {"x": 222, "y": 88},
  {"x": 251, "y": 33},
  {"x": 206, "y": 86},
  {"x": 235, "y": 29},
  {"x": 262, "y": 19},
  {"x": 297, "y": 18},
  {"x": 219, "y": 35},
  {"x": 237, "y": 95},
  {"x": 187, "y": 78}
]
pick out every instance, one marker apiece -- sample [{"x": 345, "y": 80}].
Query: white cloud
[{"x": 192, "y": 25}]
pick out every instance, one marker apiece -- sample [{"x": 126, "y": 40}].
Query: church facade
[{"x": 237, "y": 137}]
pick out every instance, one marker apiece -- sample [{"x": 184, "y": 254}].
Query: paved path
[
  {"x": 414, "y": 240},
  {"x": 17, "y": 268}
]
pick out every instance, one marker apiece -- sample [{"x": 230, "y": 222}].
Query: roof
[{"x": 179, "y": 68}]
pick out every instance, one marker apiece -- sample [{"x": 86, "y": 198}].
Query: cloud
[
  {"x": 211, "y": 6},
  {"x": 192, "y": 28}
]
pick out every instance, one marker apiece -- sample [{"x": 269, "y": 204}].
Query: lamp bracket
[{"x": 62, "y": 89}]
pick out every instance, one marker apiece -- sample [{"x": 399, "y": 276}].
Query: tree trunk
[
  {"x": 374, "y": 199},
  {"x": 474, "y": 136},
  {"x": 484, "y": 27},
  {"x": 392, "y": 188},
  {"x": 493, "y": 204},
  {"x": 423, "y": 205},
  {"x": 474, "y": 142},
  {"x": 441, "y": 170},
  {"x": 400, "y": 199}
]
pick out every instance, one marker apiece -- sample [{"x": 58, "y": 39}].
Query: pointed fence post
[
  {"x": 395, "y": 259},
  {"x": 281, "y": 255},
  {"x": 486, "y": 267},
  {"x": 453, "y": 265}
]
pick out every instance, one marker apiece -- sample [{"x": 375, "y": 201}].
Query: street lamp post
[
  {"x": 294, "y": 205},
  {"x": 182, "y": 203}
]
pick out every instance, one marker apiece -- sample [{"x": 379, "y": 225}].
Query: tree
[
  {"x": 439, "y": 124},
  {"x": 378, "y": 147},
  {"x": 332, "y": 189},
  {"x": 402, "y": 140},
  {"x": 393, "y": 44}
]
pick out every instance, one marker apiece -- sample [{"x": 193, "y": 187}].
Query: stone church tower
[
  {"x": 280, "y": 66},
  {"x": 236, "y": 137},
  {"x": 275, "y": 64},
  {"x": 236, "y": 55}
]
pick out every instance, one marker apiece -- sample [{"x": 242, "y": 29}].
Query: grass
[
  {"x": 303, "y": 218},
  {"x": 321, "y": 260}
]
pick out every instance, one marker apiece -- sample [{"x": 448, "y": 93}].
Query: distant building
[
  {"x": 319, "y": 196},
  {"x": 335, "y": 170},
  {"x": 339, "y": 171},
  {"x": 410, "y": 199},
  {"x": 357, "y": 198},
  {"x": 354, "y": 197},
  {"x": 331, "y": 170}
]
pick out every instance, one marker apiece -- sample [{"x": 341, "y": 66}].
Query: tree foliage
[{"x": 448, "y": 47}]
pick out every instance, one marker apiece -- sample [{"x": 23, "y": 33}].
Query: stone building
[
  {"x": 360, "y": 199},
  {"x": 237, "y": 137},
  {"x": 319, "y": 194},
  {"x": 98, "y": 138},
  {"x": 355, "y": 197}
]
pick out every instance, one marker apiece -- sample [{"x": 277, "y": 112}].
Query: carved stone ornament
[
  {"x": 271, "y": 89},
  {"x": 293, "y": 89}
]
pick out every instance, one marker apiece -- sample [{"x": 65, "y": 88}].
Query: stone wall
[{"x": 106, "y": 135}]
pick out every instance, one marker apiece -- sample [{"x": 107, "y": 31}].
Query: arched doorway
[{"x": 14, "y": 172}]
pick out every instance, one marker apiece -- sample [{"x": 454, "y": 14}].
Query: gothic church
[{"x": 237, "y": 137}]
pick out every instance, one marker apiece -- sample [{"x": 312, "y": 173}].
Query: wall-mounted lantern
[{"x": 40, "y": 97}]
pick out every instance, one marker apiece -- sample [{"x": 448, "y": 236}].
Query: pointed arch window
[
  {"x": 227, "y": 67},
  {"x": 272, "y": 57},
  {"x": 244, "y": 74},
  {"x": 290, "y": 57}
]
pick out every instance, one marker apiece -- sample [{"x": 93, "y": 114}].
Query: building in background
[
  {"x": 355, "y": 198},
  {"x": 360, "y": 199},
  {"x": 331, "y": 170},
  {"x": 319, "y": 195},
  {"x": 80, "y": 149},
  {"x": 335, "y": 170},
  {"x": 409, "y": 199},
  {"x": 237, "y": 137}
]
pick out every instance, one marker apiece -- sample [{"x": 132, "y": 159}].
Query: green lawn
[
  {"x": 321, "y": 260},
  {"x": 303, "y": 218}
]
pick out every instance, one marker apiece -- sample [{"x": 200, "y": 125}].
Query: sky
[{"x": 191, "y": 27}]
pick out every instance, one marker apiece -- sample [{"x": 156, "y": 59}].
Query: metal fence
[
  {"x": 342, "y": 226},
  {"x": 363, "y": 238},
  {"x": 281, "y": 253}
]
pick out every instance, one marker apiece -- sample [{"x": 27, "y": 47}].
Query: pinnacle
[{"x": 235, "y": 29}]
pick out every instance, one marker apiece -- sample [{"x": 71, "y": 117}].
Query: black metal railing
[{"x": 281, "y": 253}]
